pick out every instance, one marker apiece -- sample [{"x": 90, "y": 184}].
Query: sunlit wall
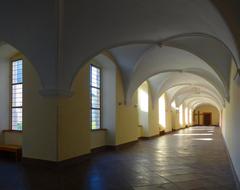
[
  {"x": 173, "y": 105},
  {"x": 181, "y": 115},
  {"x": 162, "y": 111},
  {"x": 186, "y": 114},
  {"x": 143, "y": 100},
  {"x": 190, "y": 117}
]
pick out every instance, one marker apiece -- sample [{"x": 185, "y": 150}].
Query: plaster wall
[
  {"x": 4, "y": 97},
  {"x": 15, "y": 138},
  {"x": 127, "y": 129},
  {"x": 144, "y": 108},
  {"x": 32, "y": 27},
  {"x": 153, "y": 114},
  {"x": 98, "y": 138},
  {"x": 175, "y": 119},
  {"x": 74, "y": 118},
  {"x": 169, "y": 123},
  {"x": 39, "y": 118},
  {"x": 231, "y": 120}
]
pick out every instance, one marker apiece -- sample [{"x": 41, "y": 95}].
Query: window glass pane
[
  {"x": 95, "y": 119},
  {"x": 95, "y": 77},
  {"x": 17, "y": 95},
  {"x": 95, "y": 94},
  {"x": 17, "y": 74},
  {"x": 17, "y": 119},
  {"x": 95, "y": 97}
]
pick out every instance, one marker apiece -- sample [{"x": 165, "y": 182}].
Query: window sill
[
  {"x": 102, "y": 129},
  {"x": 11, "y": 131}
]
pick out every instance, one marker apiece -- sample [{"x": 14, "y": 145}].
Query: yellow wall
[
  {"x": 169, "y": 124},
  {"x": 175, "y": 119},
  {"x": 75, "y": 135},
  {"x": 183, "y": 116},
  {"x": 98, "y": 138},
  {"x": 148, "y": 119},
  {"x": 231, "y": 120},
  {"x": 127, "y": 116},
  {"x": 153, "y": 117},
  {"x": 74, "y": 118},
  {"x": 208, "y": 108}
]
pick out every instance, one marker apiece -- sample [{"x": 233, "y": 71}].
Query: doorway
[{"x": 207, "y": 119}]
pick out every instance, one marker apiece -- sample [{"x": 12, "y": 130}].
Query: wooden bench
[{"x": 16, "y": 149}]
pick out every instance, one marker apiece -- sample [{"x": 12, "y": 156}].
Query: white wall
[
  {"x": 4, "y": 96},
  {"x": 108, "y": 97},
  {"x": 98, "y": 138},
  {"x": 231, "y": 121},
  {"x": 13, "y": 137},
  {"x": 39, "y": 118},
  {"x": 143, "y": 98}
]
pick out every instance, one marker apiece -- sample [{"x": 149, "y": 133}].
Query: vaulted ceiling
[
  {"x": 172, "y": 45},
  {"x": 145, "y": 38}
]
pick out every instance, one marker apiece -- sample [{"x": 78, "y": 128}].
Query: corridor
[{"x": 192, "y": 158}]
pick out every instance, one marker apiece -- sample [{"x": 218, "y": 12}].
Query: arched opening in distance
[{"x": 206, "y": 115}]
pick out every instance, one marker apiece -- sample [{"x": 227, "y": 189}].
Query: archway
[
  {"x": 20, "y": 101},
  {"x": 206, "y": 115}
]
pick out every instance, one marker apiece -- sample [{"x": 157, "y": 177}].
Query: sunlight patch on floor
[
  {"x": 202, "y": 139},
  {"x": 193, "y": 134}
]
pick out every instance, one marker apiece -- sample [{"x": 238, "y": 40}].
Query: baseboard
[
  {"x": 152, "y": 137},
  {"x": 38, "y": 162},
  {"x": 161, "y": 133},
  {"x": 206, "y": 125},
  {"x": 113, "y": 147},
  {"x": 124, "y": 145},
  {"x": 54, "y": 164},
  {"x": 168, "y": 132},
  {"x": 175, "y": 130},
  {"x": 99, "y": 149}
]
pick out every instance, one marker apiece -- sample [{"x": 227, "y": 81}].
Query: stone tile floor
[{"x": 193, "y": 158}]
